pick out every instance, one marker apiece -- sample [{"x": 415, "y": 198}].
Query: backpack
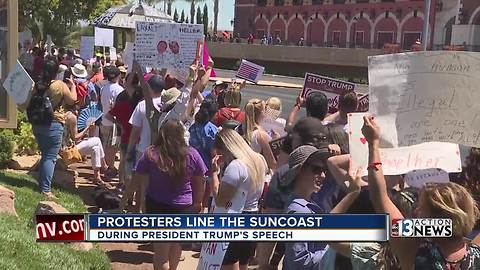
[{"x": 40, "y": 109}]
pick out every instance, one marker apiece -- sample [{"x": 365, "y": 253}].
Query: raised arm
[
  {"x": 376, "y": 179},
  {"x": 292, "y": 116},
  {"x": 404, "y": 248},
  {"x": 339, "y": 166},
  {"x": 69, "y": 92}
]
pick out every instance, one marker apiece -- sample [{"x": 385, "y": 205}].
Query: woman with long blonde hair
[
  {"x": 446, "y": 200},
  {"x": 244, "y": 173},
  {"x": 175, "y": 175},
  {"x": 254, "y": 133}
]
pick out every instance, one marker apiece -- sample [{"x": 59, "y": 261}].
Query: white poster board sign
[
  {"x": 419, "y": 178},
  {"x": 18, "y": 84},
  {"x": 127, "y": 55},
  {"x": 113, "y": 53},
  {"x": 211, "y": 256},
  {"x": 87, "y": 47},
  {"x": 103, "y": 37},
  {"x": 426, "y": 96},
  {"x": 395, "y": 161},
  {"x": 167, "y": 45}
]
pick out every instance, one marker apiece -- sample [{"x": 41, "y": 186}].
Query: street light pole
[{"x": 426, "y": 24}]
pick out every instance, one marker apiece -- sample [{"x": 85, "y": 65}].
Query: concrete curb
[{"x": 262, "y": 83}]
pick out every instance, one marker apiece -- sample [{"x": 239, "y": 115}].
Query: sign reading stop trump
[{"x": 332, "y": 88}]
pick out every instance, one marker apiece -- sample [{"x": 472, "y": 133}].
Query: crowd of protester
[{"x": 182, "y": 147}]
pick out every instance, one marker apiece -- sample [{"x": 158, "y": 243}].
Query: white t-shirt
[
  {"x": 109, "y": 94},
  {"x": 139, "y": 119},
  {"x": 236, "y": 174}
]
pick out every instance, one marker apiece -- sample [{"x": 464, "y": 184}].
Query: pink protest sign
[{"x": 332, "y": 88}]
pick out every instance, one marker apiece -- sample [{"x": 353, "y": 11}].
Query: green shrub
[
  {"x": 26, "y": 143},
  {"x": 6, "y": 147}
]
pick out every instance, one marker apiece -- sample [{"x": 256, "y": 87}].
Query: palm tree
[
  {"x": 215, "y": 15},
  {"x": 192, "y": 7}
]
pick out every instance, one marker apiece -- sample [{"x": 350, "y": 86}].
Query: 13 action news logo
[{"x": 422, "y": 227}]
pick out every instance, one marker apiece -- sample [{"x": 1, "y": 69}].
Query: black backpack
[{"x": 40, "y": 109}]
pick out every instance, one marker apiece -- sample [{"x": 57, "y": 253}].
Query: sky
[{"x": 225, "y": 14}]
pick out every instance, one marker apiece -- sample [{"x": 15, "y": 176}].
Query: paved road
[{"x": 224, "y": 73}]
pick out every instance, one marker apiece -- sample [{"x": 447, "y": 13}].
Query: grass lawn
[{"x": 18, "y": 249}]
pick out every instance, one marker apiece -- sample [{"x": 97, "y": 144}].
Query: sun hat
[
  {"x": 170, "y": 96},
  {"x": 217, "y": 83},
  {"x": 298, "y": 158},
  {"x": 122, "y": 69},
  {"x": 79, "y": 71}
]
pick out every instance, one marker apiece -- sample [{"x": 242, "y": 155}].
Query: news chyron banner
[{"x": 212, "y": 228}]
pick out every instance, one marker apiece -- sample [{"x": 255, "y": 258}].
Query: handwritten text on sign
[
  {"x": 330, "y": 87},
  {"x": 426, "y": 96},
  {"x": 401, "y": 160},
  {"x": 211, "y": 255},
  {"x": 167, "y": 45}
]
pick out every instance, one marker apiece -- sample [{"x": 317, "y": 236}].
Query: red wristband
[{"x": 374, "y": 166}]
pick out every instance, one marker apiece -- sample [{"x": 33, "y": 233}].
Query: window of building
[
  {"x": 317, "y": 2},
  {"x": 336, "y": 38},
  {"x": 262, "y": 3},
  {"x": 384, "y": 38},
  {"x": 387, "y": 1},
  {"x": 339, "y": 1},
  {"x": 3, "y": 58},
  {"x": 297, "y": 2},
  {"x": 260, "y": 33},
  {"x": 359, "y": 38},
  {"x": 279, "y": 2},
  {"x": 409, "y": 39}
]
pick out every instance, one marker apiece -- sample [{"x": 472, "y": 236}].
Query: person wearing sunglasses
[{"x": 307, "y": 173}]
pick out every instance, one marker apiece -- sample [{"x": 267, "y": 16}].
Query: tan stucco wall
[{"x": 293, "y": 54}]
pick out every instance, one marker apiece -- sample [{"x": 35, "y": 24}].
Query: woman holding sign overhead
[{"x": 447, "y": 200}]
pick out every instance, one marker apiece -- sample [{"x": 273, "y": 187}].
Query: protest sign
[
  {"x": 401, "y": 160},
  {"x": 87, "y": 47},
  {"x": 113, "y": 53},
  {"x": 419, "y": 178},
  {"x": 103, "y": 37},
  {"x": 330, "y": 87},
  {"x": 127, "y": 55},
  {"x": 18, "y": 84},
  {"x": 363, "y": 103},
  {"x": 250, "y": 71},
  {"x": 276, "y": 145},
  {"x": 426, "y": 96},
  {"x": 167, "y": 45},
  {"x": 211, "y": 255}
]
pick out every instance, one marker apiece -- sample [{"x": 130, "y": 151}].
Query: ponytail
[{"x": 253, "y": 110}]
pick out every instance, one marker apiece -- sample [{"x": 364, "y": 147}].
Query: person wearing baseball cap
[
  {"x": 307, "y": 173},
  {"x": 217, "y": 88}
]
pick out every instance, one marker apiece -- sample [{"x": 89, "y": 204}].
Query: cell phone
[{"x": 67, "y": 75}]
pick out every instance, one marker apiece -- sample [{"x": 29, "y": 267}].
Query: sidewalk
[{"x": 262, "y": 83}]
